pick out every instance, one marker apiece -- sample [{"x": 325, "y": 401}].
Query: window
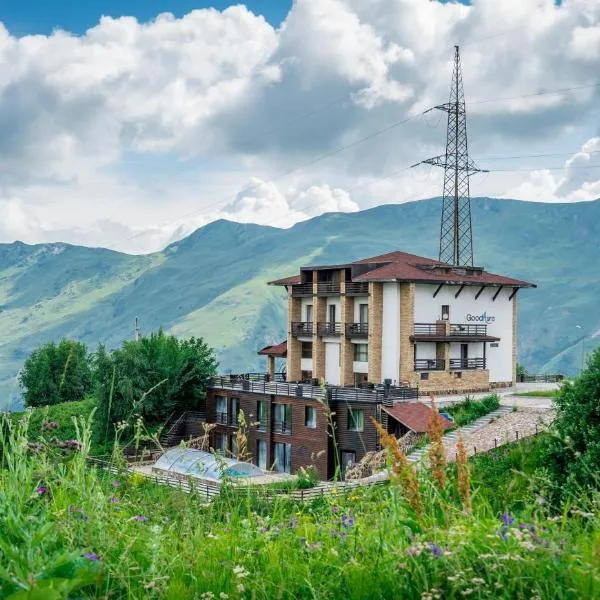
[
  {"x": 220, "y": 443},
  {"x": 332, "y": 311},
  {"x": 261, "y": 414},
  {"x": 234, "y": 446},
  {"x": 363, "y": 313},
  {"x": 310, "y": 417},
  {"x": 361, "y": 352},
  {"x": 221, "y": 409},
  {"x": 424, "y": 376},
  {"x": 235, "y": 410},
  {"x": 306, "y": 350},
  {"x": 356, "y": 419},
  {"x": 282, "y": 418},
  {"x": 282, "y": 455},
  {"x": 261, "y": 454},
  {"x": 309, "y": 313},
  {"x": 445, "y": 312},
  {"x": 348, "y": 459}
]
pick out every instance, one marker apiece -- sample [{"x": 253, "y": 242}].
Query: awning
[
  {"x": 414, "y": 415},
  {"x": 278, "y": 350}
]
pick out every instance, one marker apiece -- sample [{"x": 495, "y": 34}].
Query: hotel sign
[{"x": 482, "y": 318}]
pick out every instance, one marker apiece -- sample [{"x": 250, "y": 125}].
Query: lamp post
[{"x": 582, "y": 348}]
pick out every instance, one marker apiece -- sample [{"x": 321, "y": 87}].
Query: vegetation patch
[
  {"x": 538, "y": 394},
  {"x": 469, "y": 410}
]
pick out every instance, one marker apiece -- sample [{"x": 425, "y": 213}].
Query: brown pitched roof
[
  {"x": 414, "y": 415},
  {"x": 401, "y": 266},
  {"x": 279, "y": 350}
]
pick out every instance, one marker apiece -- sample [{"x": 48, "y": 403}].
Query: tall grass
[{"x": 69, "y": 531}]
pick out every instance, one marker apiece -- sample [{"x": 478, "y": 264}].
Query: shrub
[
  {"x": 470, "y": 410},
  {"x": 55, "y": 373}
]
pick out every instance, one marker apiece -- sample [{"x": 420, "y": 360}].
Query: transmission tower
[{"x": 456, "y": 237}]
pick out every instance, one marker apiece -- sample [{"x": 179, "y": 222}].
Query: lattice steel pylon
[{"x": 456, "y": 236}]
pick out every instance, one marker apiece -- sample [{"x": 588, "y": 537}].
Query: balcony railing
[
  {"x": 459, "y": 330},
  {"x": 221, "y": 418},
  {"x": 329, "y": 329},
  {"x": 302, "y": 290},
  {"x": 466, "y": 364},
  {"x": 281, "y": 427},
  {"x": 261, "y": 424},
  {"x": 430, "y": 364},
  {"x": 357, "y": 330},
  {"x": 328, "y": 288},
  {"x": 302, "y": 328},
  {"x": 357, "y": 288}
]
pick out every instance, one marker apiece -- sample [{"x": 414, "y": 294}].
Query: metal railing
[
  {"x": 430, "y": 364},
  {"x": 357, "y": 288},
  {"x": 357, "y": 329},
  {"x": 327, "y": 288},
  {"x": 261, "y": 424},
  {"x": 455, "y": 330},
  {"x": 281, "y": 427},
  {"x": 375, "y": 394},
  {"x": 302, "y": 328},
  {"x": 221, "y": 418},
  {"x": 302, "y": 290},
  {"x": 329, "y": 328},
  {"x": 270, "y": 388},
  {"x": 467, "y": 364},
  {"x": 241, "y": 377}
]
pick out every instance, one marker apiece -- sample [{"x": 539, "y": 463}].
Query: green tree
[
  {"x": 154, "y": 378},
  {"x": 573, "y": 455},
  {"x": 55, "y": 373}
]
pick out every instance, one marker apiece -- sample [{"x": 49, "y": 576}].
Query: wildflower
[
  {"x": 241, "y": 588},
  {"x": 540, "y": 501},
  {"x": 41, "y": 490},
  {"x": 498, "y": 585},
  {"x": 293, "y": 523},
  {"x": 211, "y": 535},
  {"x": 486, "y": 555},
  {"x": 141, "y": 518},
  {"x": 507, "y": 519},
  {"x": 114, "y": 500},
  {"x": 467, "y": 592},
  {"x": 223, "y": 596},
  {"x": 402, "y": 565},
  {"x": 240, "y": 572},
  {"x": 437, "y": 451},
  {"x": 463, "y": 473},
  {"x": 414, "y": 550},
  {"x": 335, "y": 509},
  {"x": 347, "y": 521},
  {"x": 207, "y": 596},
  {"x": 452, "y": 577},
  {"x": 116, "y": 483},
  {"x": 91, "y": 556},
  {"x": 478, "y": 580},
  {"x": 50, "y": 425},
  {"x": 436, "y": 551}
]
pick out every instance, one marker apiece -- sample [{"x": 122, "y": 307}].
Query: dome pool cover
[{"x": 195, "y": 463}]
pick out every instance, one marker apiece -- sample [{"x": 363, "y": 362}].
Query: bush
[
  {"x": 573, "y": 455},
  {"x": 470, "y": 410},
  {"x": 56, "y": 373},
  {"x": 152, "y": 378}
]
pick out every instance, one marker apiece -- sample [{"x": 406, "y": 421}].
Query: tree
[
  {"x": 153, "y": 378},
  {"x": 573, "y": 455},
  {"x": 56, "y": 373}
]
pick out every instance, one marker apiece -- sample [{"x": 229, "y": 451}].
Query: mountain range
[{"x": 213, "y": 283}]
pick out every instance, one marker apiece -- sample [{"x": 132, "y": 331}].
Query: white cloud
[{"x": 243, "y": 102}]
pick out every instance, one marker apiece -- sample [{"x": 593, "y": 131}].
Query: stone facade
[
  {"x": 514, "y": 341},
  {"x": 448, "y": 382},
  {"x": 347, "y": 347},
  {"x": 375, "y": 332},
  {"x": 407, "y": 321},
  {"x": 294, "y": 347}
]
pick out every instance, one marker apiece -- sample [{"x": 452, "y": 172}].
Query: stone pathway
[{"x": 451, "y": 438}]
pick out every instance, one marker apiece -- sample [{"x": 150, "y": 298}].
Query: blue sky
[{"x": 42, "y": 16}]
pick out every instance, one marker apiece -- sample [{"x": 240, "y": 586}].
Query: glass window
[
  {"x": 361, "y": 352},
  {"x": 282, "y": 418},
  {"x": 310, "y": 417},
  {"x": 356, "y": 419},
  {"x": 235, "y": 410},
  {"x": 332, "y": 313},
  {"x": 234, "y": 446},
  {"x": 306, "y": 349},
  {"x": 221, "y": 409},
  {"x": 261, "y": 414},
  {"x": 348, "y": 459},
  {"x": 363, "y": 313},
  {"x": 282, "y": 454},
  {"x": 261, "y": 453},
  {"x": 309, "y": 313},
  {"x": 220, "y": 443}
]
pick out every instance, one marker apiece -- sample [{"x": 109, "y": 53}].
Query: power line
[
  {"x": 539, "y": 155},
  {"x": 532, "y": 95}
]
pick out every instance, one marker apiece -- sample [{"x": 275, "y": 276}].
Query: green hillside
[{"x": 213, "y": 282}]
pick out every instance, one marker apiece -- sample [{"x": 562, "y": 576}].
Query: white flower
[
  {"x": 478, "y": 580},
  {"x": 240, "y": 588},
  {"x": 223, "y": 596}
]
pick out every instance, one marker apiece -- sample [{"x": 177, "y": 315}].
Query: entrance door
[
  {"x": 332, "y": 363},
  {"x": 464, "y": 356},
  {"x": 332, "y": 313}
]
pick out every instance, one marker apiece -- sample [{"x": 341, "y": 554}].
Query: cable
[
  {"x": 556, "y": 91},
  {"x": 538, "y": 155},
  {"x": 543, "y": 169}
]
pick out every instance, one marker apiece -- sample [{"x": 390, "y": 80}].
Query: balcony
[
  {"x": 467, "y": 364},
  {"x": 221, "y": 418},
  {"x": 261, "y": 424},
  {"x": 442, "y": 331},
  {"x": 302, "y": 328},
  {"x": 328, "y": 288},
  {"x": 356, "y": 288},
  {"x": 357, "y": 330},
  {"x": 430, "y": 364},
  {"x": 325, "y": 329},
  {"x": 282, "y": 427},
  {"x": 302, "y": 290}
]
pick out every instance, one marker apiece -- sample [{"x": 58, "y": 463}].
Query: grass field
[
  {"x": 69, "y": 531},
  {"x": 538, "y": 394}
]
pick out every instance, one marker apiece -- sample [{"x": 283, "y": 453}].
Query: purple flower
[
  {"x": 335, "y": 509},
  {"x": 347, "y": 521},
  {"x": 41, "y": 490},
  {"x": 91, "y": 556},
  {"x": 507, "y": 519},
  {"x": 140, "y": 518},
  {"x": 114, "y": 500},
  {"x": 436, "y": 551},
  {"x": 293, "y": 523},
  {"x": 116, "y": 483}
]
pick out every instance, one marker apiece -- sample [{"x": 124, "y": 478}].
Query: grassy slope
[{"x": 202, "y": 285}]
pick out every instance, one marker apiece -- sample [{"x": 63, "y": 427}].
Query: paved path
[{"x": 451, "y": 438}]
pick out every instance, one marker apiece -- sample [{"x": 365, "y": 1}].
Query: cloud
[{"x": 226, "y": 116}]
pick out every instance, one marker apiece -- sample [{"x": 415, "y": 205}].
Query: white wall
[
  {"x": 498, "y": 315},
  {"x": 426, "y": 350},
  {"x": 390, "y": 338},
  {"x": 358, "y": 300},
  {"x": 338, "y": 309},
  {"x": 332, "y": 363},
  {"x": 303, "y": 303}
]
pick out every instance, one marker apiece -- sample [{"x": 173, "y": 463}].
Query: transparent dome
[{"x": 188, "y": 461}]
